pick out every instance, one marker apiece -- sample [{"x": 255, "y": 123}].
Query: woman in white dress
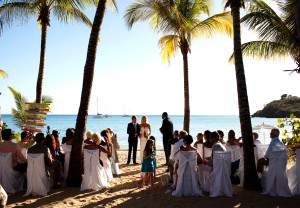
[
  {"x": 145, "y": 131},
  {"x": 106, "y": 153}
]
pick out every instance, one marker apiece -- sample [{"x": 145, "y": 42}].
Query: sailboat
[{"x": 98, "y": 115}]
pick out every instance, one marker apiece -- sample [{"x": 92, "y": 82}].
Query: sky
[{"x": 130, "y": 77}]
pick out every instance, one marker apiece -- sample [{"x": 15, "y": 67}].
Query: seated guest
[
  {"x": 235, "y": 150},
  {"x": 217, "y": 145},
  {"x": 186, "y": 170},
  {"x": 88, "y": 139},
  {"x": 255, "y": 139},
  {"x": 27, "y": 140},
  {"x": 7, "y": 146},
  {"x": 221, "y": 133},
  {"x": 274, "y": 181},
  {"x": 40, "y": 148},
  {"x": 171, "y": 159}
]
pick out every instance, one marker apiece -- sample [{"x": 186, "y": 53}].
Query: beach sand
[{"x": 125, "y": 192}]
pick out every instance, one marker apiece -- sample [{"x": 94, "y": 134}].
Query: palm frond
[
  {"x": 20, "y": 116},
  {"x": 169, "y": 45},
  {"x": 68, "y": 13},
  {"x": 264, "y": 50},
  {"x": 263, "y": 19},
  {"x": 47, "y": 99},
  {"x": 215, "y": 24},
  {"x": 3, "y": 74}
]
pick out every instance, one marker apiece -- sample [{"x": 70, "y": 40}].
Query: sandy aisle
[{"x": 124, "y": 192}]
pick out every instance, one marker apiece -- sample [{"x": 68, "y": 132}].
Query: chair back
[
  {"x": 37, "y": 181},
  {"x": 220, "y": 181},
  {"x": 67, "y": 152},
  {"x": 8, "y": 177}
]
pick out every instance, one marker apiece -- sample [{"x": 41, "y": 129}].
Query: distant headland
[{"x": 282, "y": 108}]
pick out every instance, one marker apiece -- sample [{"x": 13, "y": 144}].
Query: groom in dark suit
[{"x": 133, "y": 131}]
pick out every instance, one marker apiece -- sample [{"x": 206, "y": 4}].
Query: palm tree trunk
[
  {"x": 186, "y": 118},
  {"x": 40, "y": 78},
  {"x": 297, "y": 17},
  {"x": 250, "y": 174},
  {"x": 76, "y": 168}
]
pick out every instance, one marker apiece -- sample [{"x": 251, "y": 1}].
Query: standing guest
[
  {"x": 231, "y": 137},
  {"x": 105, "y": 155},
  {"x": 167, "y": 132},
  {"x": 145, "y": 131},
  {"x": 114, "y": 156},
  {"x": 154, "y": 148},
  {"x": 221, "y": 134},
  {"x": 234, "y": 148},
  {"x": 133, "y": 131},
  {"x": 171, "y": 159},
  {"x": 40, "y": 148},
  {"x": 7, "y": 146},
  {"x": 148, "y": 163},
  {"x": 55, "y": 134},
  {"x": 217, "y": 146},
  {"x": 199, "y": 144},
  {"x": 255, "y": 139}
]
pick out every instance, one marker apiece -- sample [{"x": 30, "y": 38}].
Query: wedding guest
[
  {"x": 114, "y": 157},
  {"x": 231, "y": 137},
  {"x": 221, "y": 134},
  {"x": 217, "y": 146},
  {"x": 7, "y": 146},
  {"x": 40, "y": 148},
  {"x": 133, "y": 131},
  {"x": 55, "y": 134},
  {"x": 154, "y": 148},
  {"x": 167, "y": 131},
  {"x": 255, "y": 139},
  {"x": 148, "y": 163},
  {"x": 199, "y": 144},
  {"x": 171, "y": 159},
  {"x": 145, "y": 131},
  {"x": 105, "y": 155},
  {"x": 27, "y": 140},
  {"x": 234, "y": 148}
]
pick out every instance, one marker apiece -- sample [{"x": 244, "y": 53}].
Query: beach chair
[
  {"x": 187, "y": 182},
  {"x": 3, "y": 197},
  {"x": 275, "y": 181},
  {"x": 220, "y": 177},
  {"x": 94, "y": 177},
  {"x": 204, "y": 171},
  {"x": 37, "y": 181},
  {"x": 9, "y": 178},
  {"x": 293, "y": 175},
  {"x": 67, "y": 152}
]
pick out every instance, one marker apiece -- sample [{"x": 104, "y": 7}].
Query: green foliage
[
  {"x": 276, "y": 31},
  {"x": 47, "y": 99},
  {"x": 179, "y": 21},
  {"x": 290, "y": 128},
  {"x": 19, "y": 113}
]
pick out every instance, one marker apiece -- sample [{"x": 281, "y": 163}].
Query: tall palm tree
[
  {"x": 75, "y": 169},
  {"x": 278, "y": 34},
  {"x": 66, "y": 11},
  {"x": 180, "y": 21},
  {"x": 250, "y": 174}
]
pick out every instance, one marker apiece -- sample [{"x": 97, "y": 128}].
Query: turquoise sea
[{"x": 119, "y": 124}]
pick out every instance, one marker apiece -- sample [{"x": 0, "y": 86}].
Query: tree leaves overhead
[
  {"x": 178, "y": 20},
  {"x": 277, "y": 32},
  {"x": 3, "y": 74}
]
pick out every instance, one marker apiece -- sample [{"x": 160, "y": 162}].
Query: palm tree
[
  {"x": 278, "y": 34},
  {"x": 250, "y": 174},
  {"x": 65, "y": 11},
  {"x": 75, "y": 169},
  {"x": 180, "y": 21}
]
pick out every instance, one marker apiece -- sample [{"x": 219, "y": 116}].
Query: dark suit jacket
[
  {"x": 133, "y": 132},
  {"x": 167, "y": 129}
]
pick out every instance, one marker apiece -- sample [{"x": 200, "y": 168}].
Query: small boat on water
[{"x": 100, "y": 115}]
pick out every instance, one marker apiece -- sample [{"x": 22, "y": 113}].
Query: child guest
[{"x": 148, "y": 165}]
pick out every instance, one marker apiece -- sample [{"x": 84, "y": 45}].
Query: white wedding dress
[
  {"x": 187, "y": 182},
  {"x": 145, "y": 130}
]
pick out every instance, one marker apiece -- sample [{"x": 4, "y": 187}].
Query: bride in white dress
[{"x": 145, "y": 132}]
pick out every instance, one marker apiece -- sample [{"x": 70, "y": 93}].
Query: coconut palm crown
[
  {"x": 277, "y": 32},
  {"x": 179, "y": 21},
  {"x": 22, "y": 10}
]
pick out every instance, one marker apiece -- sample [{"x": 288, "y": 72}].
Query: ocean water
[{"x": 119, "y": 125}]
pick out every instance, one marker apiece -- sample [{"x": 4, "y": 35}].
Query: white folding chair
[
  {"x": 275, "y": 179},
  {"x": 67, "y": 152},
  {"x": 9, "y": 179},
  {"x": 220, "y": 177},
  {"x": 94, "y": 177},
  {"x": 37, "y": 181}
]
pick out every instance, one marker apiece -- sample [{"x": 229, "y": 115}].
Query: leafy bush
[{"x": 290, "y": 128}]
